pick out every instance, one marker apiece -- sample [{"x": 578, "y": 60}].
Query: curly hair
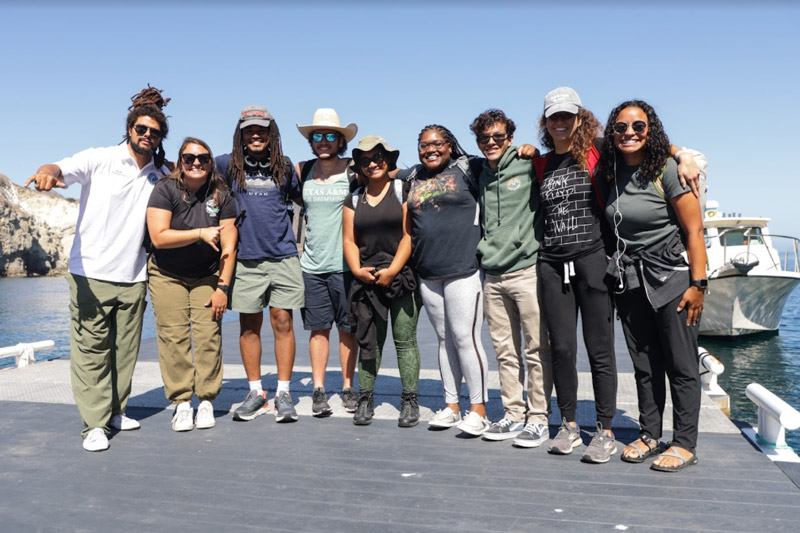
[
  {"x": 277, "y": 163},
  {"x": 216, "y": 183},
  {"x": 582, "y": 140},
  {"x": 148, "y": 103},
  {"x": 456, "y": 149},
  {"x": 488, "y": 118},
  {"x": 656, "y": 148}
]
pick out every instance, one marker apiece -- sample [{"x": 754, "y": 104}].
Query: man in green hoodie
[{"x": 512, "y": 227}]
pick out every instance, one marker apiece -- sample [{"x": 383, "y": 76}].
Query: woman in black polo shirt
[{"x": 190, "y": 218}]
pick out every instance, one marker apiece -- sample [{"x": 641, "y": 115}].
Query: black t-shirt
[
  {"x": 445, "y": 226},
  {"x": 378, "y": 229},
  {"x": 189, "y": 211},
  {"x": 574, "y": 224}
]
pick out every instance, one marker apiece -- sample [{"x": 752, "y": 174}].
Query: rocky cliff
[{"x": 36, "y": 230}]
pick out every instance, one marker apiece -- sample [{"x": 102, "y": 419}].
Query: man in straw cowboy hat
[
  {"x": 326, "y": 182},
  {"x": 267, "y": 266}
]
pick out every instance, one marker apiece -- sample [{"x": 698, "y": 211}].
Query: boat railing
[
  {"x": 791, "y": 262},
  {"x": 775, "y": 416},
  {"x": 791, "y": 259}
]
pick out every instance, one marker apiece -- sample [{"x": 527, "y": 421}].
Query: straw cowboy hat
[{"x": 326, "y": 118}]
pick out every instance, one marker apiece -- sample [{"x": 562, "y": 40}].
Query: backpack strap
[
  {"x": 592, "y": 158},
  {"x": 308, "y": 166},
  {"x": 398, "y": 190},
  {"x": 539, "y": 164}
]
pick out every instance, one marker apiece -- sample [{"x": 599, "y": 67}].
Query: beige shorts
[{"x": 262, "y": 283}]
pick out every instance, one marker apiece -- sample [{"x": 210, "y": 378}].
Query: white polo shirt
[{"x": 111, "y": 219}]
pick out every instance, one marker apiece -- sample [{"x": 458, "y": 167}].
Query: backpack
[{"x": 540, "y": 163}]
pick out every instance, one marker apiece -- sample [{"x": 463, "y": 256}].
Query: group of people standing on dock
[{"x": 608, "y": 218}]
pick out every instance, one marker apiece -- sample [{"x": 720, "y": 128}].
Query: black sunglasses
[
  {"x": 497, "y": 138},
  {"x": 141, "y": 129},
  {"x": 638, "y": 127},
  {"x": 330, "y": 137},
  {"x": 378, "y": 159},
  {"x": 189, "y": 159}
]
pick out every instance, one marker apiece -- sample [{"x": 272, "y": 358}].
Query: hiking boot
[
  {"x": 284, "y": 409},
  {"x": 474, "y": 424},
  {"x": 182, "y": 419},
  {"x": 445, "y": 418},
  {"x": 365, "y": 409},
  {"x": 205, "y": 416},
  {"x": 502, "y": 430},
  {"x": 123, "y": 423},
  {"x": 601, "y": 448},
  {"x": 409, "y": 410},
  {"x": 254, "y": 405},
  {"x": 95, "y": 441},
  {"x": 531, "y": 436},
  {"x": 349, "y": 399},
  {"x": 319, "y": 403},
  {"x": 568, "y": 439}
]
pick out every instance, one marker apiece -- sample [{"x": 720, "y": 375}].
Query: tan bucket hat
[
  {"x": 370, "y": 142},
  {"x": 326, "y": 118}
]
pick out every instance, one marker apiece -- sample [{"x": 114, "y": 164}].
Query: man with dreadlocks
[
  {"x": 107, "y": 265},
  {"x": 267, "y": 266}
]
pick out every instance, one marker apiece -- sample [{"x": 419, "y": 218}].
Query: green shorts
[{"x": 261, "y": 283}]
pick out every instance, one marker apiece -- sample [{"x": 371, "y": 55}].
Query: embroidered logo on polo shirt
[
  {"x": 514, "y": 184},
  {"x": 211, "y": 207},
  {"x": 152, "y": 178}
]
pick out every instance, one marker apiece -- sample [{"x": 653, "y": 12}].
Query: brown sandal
[{"x": 644, "y": 447}]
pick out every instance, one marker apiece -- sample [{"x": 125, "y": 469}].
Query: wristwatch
[
  {"x": 701, "y": 284},
  {"x": 222, "y": 287}
]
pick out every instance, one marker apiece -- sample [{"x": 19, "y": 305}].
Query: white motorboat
[{"x": 748, "y": 285}]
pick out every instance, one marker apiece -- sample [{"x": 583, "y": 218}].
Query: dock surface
[{"x": 329, "y": 475}]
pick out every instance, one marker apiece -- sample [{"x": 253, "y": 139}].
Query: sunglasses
[
  {"x": 498, "y": 138},
  {"x": 432, "y": 144},
  {"x": 378, "y": 159},
  {"x": 141, "y": 129},
  {"x": 189, "y": 159},
  {"x": 638, "y": 127},
  {"x": 330, "y": 137}
]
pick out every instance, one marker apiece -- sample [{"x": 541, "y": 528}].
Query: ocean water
[{"x": 33, "y": 309}]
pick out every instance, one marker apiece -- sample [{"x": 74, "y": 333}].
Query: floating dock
[{"x": 329, "y": 475}]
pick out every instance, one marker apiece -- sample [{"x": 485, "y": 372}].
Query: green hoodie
[{"x": 512, "y": 225}]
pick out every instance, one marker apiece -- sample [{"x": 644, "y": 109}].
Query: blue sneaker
[{"x": 252, "y": 407}]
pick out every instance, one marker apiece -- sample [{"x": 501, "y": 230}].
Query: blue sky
[{"x": 723, "y": 77}]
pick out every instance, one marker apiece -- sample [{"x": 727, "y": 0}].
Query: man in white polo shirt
[{"x": 107, "y": 274}]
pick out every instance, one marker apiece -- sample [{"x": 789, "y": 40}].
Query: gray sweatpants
[{"x": 455, "y": 309}]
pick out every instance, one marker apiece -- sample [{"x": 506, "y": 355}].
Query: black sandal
[{"x": 652, "y": 445}]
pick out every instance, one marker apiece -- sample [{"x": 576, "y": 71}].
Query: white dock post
[
  {"x": 710, "y": 368},
  {"x": 774, "y": 416},
  {"x": 24, "y": 351}
]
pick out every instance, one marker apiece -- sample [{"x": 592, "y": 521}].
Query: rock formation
[{"x": 36, "y": 230}]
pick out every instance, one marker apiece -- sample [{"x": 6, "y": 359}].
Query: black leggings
[{"x": 588, "y": 292}]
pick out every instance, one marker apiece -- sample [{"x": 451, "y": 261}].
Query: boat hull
[{"x": 743, "y": 305}]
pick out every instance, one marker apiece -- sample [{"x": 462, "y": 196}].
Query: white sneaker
[
  {"x": 182, "y": 420},
  {"x": 95, "y": 440},
  {"x": 123, "y": 423},
  {"x": 474, "y": 424},
  {"x": 205, "y": 416},
  {"x": 445, "y": 418}
]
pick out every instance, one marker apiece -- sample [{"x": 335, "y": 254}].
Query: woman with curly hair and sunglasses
[
  {"x": 659, "y": 269},
  {"x": 190, "y": 219}
]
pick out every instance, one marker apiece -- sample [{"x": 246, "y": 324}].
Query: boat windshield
[{"x": 741, "y": 236}]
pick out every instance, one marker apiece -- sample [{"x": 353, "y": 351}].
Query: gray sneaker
[
  {"x": 284, "y": 409},
  {"x": 319, "y": 403},
  {"x": 349, "y": 399},
  {"x": 531, "y": 436},
  {"x": 568, "y": 439},
  {"x": 601, "y": 448},
  {"x": 502, "y": 430},
  {"x": 252, "y": 407}
]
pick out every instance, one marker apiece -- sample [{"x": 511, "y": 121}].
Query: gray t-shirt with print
[{"x": 641, "y": 212}]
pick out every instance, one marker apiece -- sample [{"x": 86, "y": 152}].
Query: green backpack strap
[{"x": 658, "y": 183}]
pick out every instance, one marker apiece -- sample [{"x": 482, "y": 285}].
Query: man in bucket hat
[
  {"x": 264, "y": 183},
  {"x": 326, "y": 182}
]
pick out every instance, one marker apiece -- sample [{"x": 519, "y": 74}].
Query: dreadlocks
[
  {"x": 149, "y": 103},
  {"x": 456, "y": 149},
  {"x": 277, "y": 164}
]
